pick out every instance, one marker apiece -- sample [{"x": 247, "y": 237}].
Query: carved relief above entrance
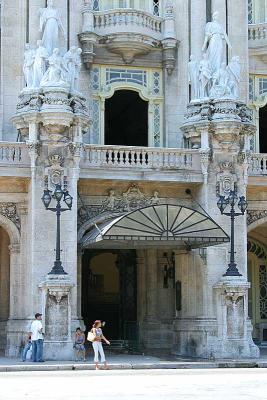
[{"x": 127, "y": 201}]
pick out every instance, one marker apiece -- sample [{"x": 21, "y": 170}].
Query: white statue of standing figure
[
  {"x": 50, "y": 26},
  {"x": 234, "y": 72},
  {"x": 204, "y": 77},
  {"x": 39, "y": 66},
  {"x": 193, "y": 77},
  {"x": 55, "y": 74},
  {"x": 69, "y": 60},
  {"x": 78, "y": 65},
  {"x": 215, "y": 37},
  {"x": 72, "y": 60},
  {"x": 29, "y": 56}
]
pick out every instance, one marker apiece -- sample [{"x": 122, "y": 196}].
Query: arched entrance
[
  {"x": 109, "y": 291},
  {"x": 4, "y": 287},
  {"x": 126, "y": 119}
]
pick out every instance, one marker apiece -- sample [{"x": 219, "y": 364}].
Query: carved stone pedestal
[
  {"x": 234, "y": 327},
  {"x": 56, "y": 310}
]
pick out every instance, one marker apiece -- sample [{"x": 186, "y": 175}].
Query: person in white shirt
[{"x": 37, "y": 339}]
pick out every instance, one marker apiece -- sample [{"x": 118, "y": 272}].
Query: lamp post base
[
  {"x": 57, "y": 269},
  {"x": 232, "y": 270}
]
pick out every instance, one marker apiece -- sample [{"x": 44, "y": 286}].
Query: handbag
[{"x": 91, "y": 337}]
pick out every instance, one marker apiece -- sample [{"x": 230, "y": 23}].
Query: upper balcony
[
  {"x": 128, "y": 31},
  {"x": 141, "y": 163},
  {"x": 257, "y": 40}
]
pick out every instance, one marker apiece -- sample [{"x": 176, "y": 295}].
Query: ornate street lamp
[
  {"x": 242, "y": 205},
  {"x": 47, "y": 198}
]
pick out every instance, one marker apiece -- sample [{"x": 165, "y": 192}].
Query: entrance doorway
[
  {"x": 263, "y": 129},
  {"x": 4, "y": 287},
  {"x": 126, "y": 119},
  {"x": 109, "y": 286}
]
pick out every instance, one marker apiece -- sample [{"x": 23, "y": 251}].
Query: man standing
[{"x": 37, "y": 338}]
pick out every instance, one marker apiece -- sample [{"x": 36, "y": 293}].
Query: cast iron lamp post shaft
[
  {"x": 242, "y": 205},
  {"x": 58, "y": 195}
]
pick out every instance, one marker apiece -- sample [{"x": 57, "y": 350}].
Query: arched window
[{"x": 126, "y": 119}]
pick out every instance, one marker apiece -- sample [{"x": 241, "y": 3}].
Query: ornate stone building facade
[{"x": 138, "y": 111}]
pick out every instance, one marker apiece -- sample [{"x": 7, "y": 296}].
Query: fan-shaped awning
[{"x": 163, "y": 224}]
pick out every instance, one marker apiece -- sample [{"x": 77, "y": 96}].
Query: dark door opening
[
  {"x": 109, "y": 285},
  {"x": 126, "y": 119},
  {"x": 263, "y": 129}
]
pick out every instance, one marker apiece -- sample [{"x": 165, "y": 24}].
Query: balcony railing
[
  {"x": 258, "y": 165},
  {"x": 257, "y": 34},
  {"x": 127, "y": 20},
  {"x": 140, "y": 158},
  {"x": 14, "y": 154}
]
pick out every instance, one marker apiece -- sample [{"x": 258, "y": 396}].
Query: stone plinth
[
  {"x": 56, "y": 310},
  {"x": 234, "y": 330}
]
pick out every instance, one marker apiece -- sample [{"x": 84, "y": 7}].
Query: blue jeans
[
  {"x": 25, "y": 350},
  {"x": 37, "y": 350}
]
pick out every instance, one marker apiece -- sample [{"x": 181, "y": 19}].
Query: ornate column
[
  {"x": 53, "y": 118},
  {"x": 151, "y": 323}
]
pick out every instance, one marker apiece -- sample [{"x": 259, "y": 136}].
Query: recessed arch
[
  {"x": 126, "y": 119},
  {"x": 11, "y": 229}
]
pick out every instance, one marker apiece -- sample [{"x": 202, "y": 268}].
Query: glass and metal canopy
[{"x": 160, "y": 225}]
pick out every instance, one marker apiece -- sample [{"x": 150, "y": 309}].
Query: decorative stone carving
[
  {"x": 55, "y": 171},
  {"x": 130, "y": 200},
  {"x": 255, "y": 215},
  {"x": 226, "y": 179},
  {"x": 50, "y": 26},
  {"x": 205, "y": 161},
  {"x": 9, "y": 210},
  {"x": 257, "y": 248}
]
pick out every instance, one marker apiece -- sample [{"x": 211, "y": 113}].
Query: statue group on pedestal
[
  {"x": 211, "y": 77},
  {"x": 44, "y": 66}
]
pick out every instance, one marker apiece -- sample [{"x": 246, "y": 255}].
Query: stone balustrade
[
  {"x": 142, "y": 158},
  {"x": 257, "y": 34},
  {"x": 258, "y": 165},
  {"x": 127, "y": 20},
  {"x": 14, "y": 154}
]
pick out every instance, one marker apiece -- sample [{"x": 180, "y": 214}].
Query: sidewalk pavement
[{"x": 126, "y": 361}]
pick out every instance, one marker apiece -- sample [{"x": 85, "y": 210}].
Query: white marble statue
[
  {"x": 55, "y": 74},
  {"x": 29, "y": 56},
  {"x": 39, "y": 66},
  {"x": 69, "y": 61},
  {"x": 220, "y": 83},
  {"x": 193, "y": 77},
  {"x": 78, "y": 65},
  {"x": 234, "y": 72},
  {"x": 204, "y": 77},
  {"x": 215, "y": 37},
  {"x": 50, "y": 26}
]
